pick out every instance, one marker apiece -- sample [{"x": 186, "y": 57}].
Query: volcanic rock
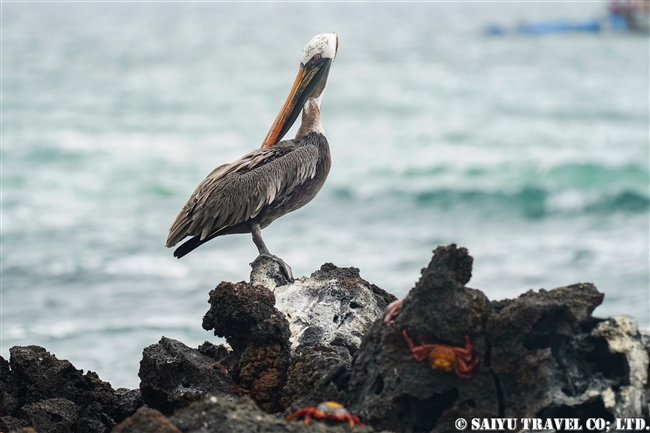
[
  {"x": 41, "y": 391},
  {"x": 540, "y": 355},
  {"x": 173, "y": 375},
  {"x": 631, "y": 392},
  {"x": 259, "y": 335},
  {"x": 56, "y": 415},
  {"x": 542, "y": 352},
  {"x": 334, "y": 307},
  {"x": 309, "y": 365},
  {"x": 389, "y": 389},
  {"x": 245, "y": 314},
  {"x": 146, "y": 420},
  {"x": 128, "y": 400},
  {"x": 216, "y": 415},
  {"x": 328, "y": 314}
]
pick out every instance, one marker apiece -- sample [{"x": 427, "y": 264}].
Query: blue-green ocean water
[{"x": 532, "y": 152}]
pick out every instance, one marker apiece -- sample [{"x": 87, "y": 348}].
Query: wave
[
  {"x": 532, "y": 190},
  {"x": 626, "y": 201},
  {"x": 560, "y": 176},
  {"x": 530, "y": 202}
]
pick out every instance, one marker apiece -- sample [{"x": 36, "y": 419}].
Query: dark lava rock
[
  {"x": 54, "y": 415},
  {"x": 173, "y": 375},
  {"x": 540, "y": 355},
  {"x": 389, "y": 389},
  {"x": 245, "y": 314},
  {"x": 333, "y": 386},
  {"x": 215, "y": 415},
  {"x": 263, "y": 371},
  {"x": 9, "y": 400},
  {"x": 441, "y": 305},
  {"x": 259, "y": 335},
  {"x": 220, "y": 354},
  {"x": 309, "y": 365},
  {"x": 328, "y": 314},
  {"x": 23, "y": 430},
  {"x": 146, "y": 420},
  {"x": 11, "y": 424},
  {"x": 51, "y": 395},
  {"x": 538, "y": 345},
  {"x": 128, "y": 400}
]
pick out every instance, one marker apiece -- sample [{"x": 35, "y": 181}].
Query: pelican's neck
[{"x": 310, "y": 121}]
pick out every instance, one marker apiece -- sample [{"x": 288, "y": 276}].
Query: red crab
[
  {"x": 444, "y": 357},
  {"x": 391, "y": 311},
  {"x": 326, "y": 410}
]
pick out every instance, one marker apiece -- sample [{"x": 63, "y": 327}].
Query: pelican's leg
[{"x": 264, "y": 252}]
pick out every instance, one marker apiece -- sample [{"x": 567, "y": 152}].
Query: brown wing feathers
[{"x": 236, "y": 193}]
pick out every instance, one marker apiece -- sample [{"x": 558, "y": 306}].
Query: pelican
[{"x": 267, "y": 183}]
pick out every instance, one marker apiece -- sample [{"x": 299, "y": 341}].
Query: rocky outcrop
[
  {"x": 244, "y": 416},
  {"x": 146, "y": 420},
  {"x": 308, "y": 365},
  {"x": 51, "y": 395},
  {"x": 627, "y": 397},
  {"x": 322, "y": 318},
  {"x": 292, "y": 345},
  {"x": 545, "y": 357},
  {"x": 259, "y": 335},
  {"x": 540, "y": 355},
  {"x": 389, "y": 389},
  {"x": 333, "y": 307},
  {"x": 173, "y": 375}
]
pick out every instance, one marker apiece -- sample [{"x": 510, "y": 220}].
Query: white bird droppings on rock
[
  {"x": 332, "y": 307},
  {"x": 327, "y": 312}
]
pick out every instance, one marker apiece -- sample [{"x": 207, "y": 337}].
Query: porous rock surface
[
  {"x": 146, "y": 420},
  {"x": 284, "y": 335},
  {"x": 387, "y": 387},
  {"x": 628, "y": 398},
  {"x": 308, "y": 366},
  {"x": 173, "y": 375},
  {"x": 333, "y": 307},
  {"x": 259, "y": 336},
  {"x": 40, "y": 391},
  {"x": 215, "y": 415},
  {"x": 540, "y": 355}
]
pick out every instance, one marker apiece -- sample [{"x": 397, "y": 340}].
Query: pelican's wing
[{"x": 235, "y": 193}]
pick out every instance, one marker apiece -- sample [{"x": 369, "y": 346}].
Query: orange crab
[
  {"x": 326, "y": 410},
  {"x": 444, "y": 357}
]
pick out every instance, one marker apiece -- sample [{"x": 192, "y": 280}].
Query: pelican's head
[{"x": 317, "y": 58}]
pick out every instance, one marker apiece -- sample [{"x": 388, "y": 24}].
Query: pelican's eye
[{"x": 316, "y": 58}]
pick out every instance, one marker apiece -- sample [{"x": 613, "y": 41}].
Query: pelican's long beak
[{"x": 309, "y": 83}]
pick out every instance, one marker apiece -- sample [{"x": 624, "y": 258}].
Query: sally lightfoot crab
[
  {"x": 444, "y": 357},
  {"x": 326, "y": 410}
]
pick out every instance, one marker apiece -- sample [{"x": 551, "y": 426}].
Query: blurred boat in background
[
  {"x": 630, "y": 15},
  {"x": 622, "y": 16}
]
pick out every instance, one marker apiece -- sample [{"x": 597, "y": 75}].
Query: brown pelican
[{"x": 280, "y": 177}]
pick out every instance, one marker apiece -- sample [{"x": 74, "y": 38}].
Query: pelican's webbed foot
[
  {"x": 286, "y": 269},
  {"x": 256, "y": 231}
]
